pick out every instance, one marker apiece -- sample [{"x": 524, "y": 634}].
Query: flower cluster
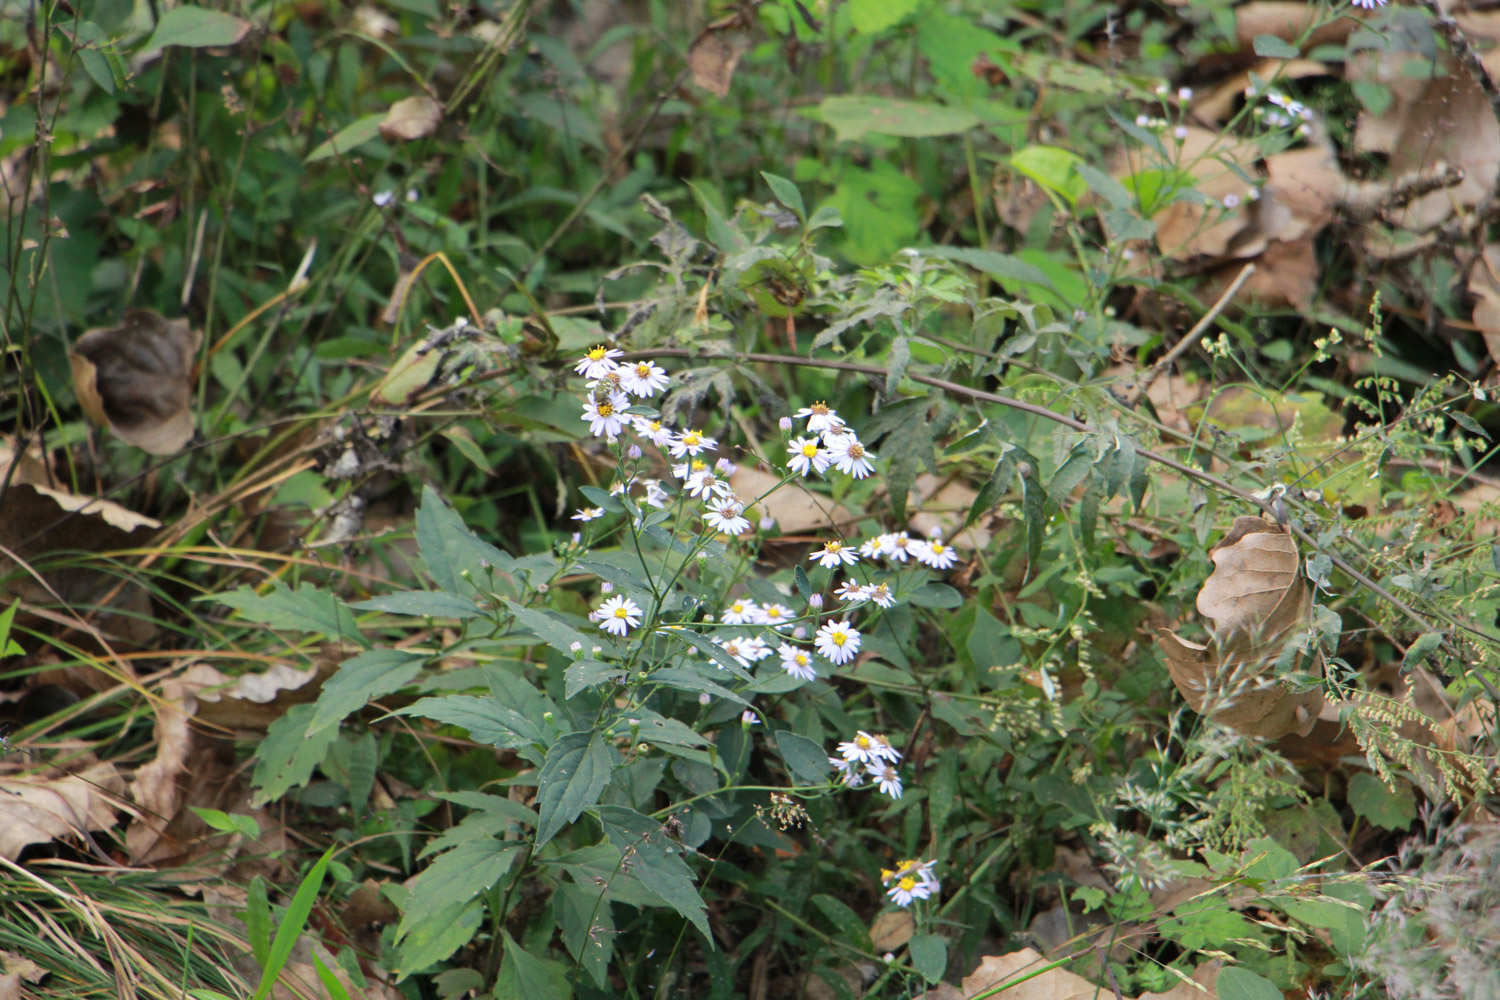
[
  {"x": 829, "y": 441},
  {"x": 909, "y": 880},
  {"x": 874, "y": 753}
]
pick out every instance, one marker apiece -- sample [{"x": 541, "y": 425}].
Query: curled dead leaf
[
  {"x": 411, "y": 118},
  {"x": 40, "y": 810},
  {"x": 716, "y": 52},
  {"x": 1258, "y": 603},
  {"x": 137, "y": 379}
]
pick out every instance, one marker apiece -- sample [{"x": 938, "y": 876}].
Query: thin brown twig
[{"x": 1199, "y": 328}]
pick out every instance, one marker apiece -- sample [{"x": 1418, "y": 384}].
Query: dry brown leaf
[
  {"x": 1054, "y": 984},
  {"x": 137, "y": 379},
  {"x": 795, "y": 510},
  {"x": 1484, "y": 285},
  {"x": 1257, "y": 600},
  {"x": 940, "y": 505},
  {"x": 1289, "y": 20},
  {"x": 254, "y": 700},
  {"x": 18, "y": 970},
  {"x": 716, "y": 52},
  {"x": 1218, "y": 103},
  {"x": 891, "y": 929},
  {"x": 30, "y": 465},
  {"x": 155, "y": 787},
  {"x": 411, "y": 118},
  {"x": 40, "y": 810},
  {"x": 1204, "y": 985}
]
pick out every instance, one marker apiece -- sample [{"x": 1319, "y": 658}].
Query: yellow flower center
[
  {"x": 821, "y": 409},
  {"x": 606, "y": 409},
  {"x": 598, "y": 353},
  {"x": 810, "y": 450},
  {"x": 643, "y": 371},
  {"x": 839, "y": 639},
  {"x": 691, "y": 437},
  {"x": 834, "y": 546},
  {"x": 908, "y": 883},
  {"x": 938, "y": 548},
  {"x": 863, "y": 742},
  {"x": 621, "y": 613},
  {"x": 856, "y": 451}
]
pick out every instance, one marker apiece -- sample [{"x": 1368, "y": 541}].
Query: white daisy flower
[
  {"x": 725, "y": 514},
  {"x": 850, "y": 457},
  {"x": 749, "y": 718},
  {"x": 684, "y": 469},
  {"x": 850, "y": 591},
  {"x": 655, "y": 495},
  {"x": 606, "y": 418},
  {"x": 742, "y": 611},
  {"x": 774, "y": 615},
  {"x": 888, "y": 779},
  {"x": 588, "y": 513},
  {"x": 863, "y": 749},
  {"x": 877, "y": 547},
  {"x": 754, "y": 649},
  {"x": 880, "y": 593},
  {"x": 838, "y": 641},
  {"x": 795, "y": 661},
  {"x": 807, "y": 456},
  {"x": 819, "y": 417},
  {"x": 652, "y": 430},
  {"x": 691, "y": 442},
  {"x": 618, "y": 615},
  {"x": 935, "y": 553},
  {"x": 900, "y": 546},
  {"x": 908, "y": 888},
  {"x": 703, "y": 483},
  {"x": 834, "y": 554},
  {"x": 598, "y": 362},
  {"x": 643, "y": 378}
]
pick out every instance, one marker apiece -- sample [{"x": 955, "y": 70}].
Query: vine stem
[
  {"x": 1207, "y": 478},
  {"x": 1182, "y": 346}
]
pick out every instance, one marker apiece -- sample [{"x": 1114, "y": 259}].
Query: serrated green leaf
[
  {"x": 1235, "y": 983},
  {"x": 688, "y": 679},
  {"x": 1424, "y": 645},
  {"x": 487, "y": 719},
  {"x": 1003, "y": 266},
  {"x": 898, "y": 359},
  {"x": 577, "y": 768},
  {"x": 460, "y": 875},
  {"x": 360, "y": 679},
  {"x": 306, "y": 609},
  {"x": 286, "y": 757},
  {"x": 450, "y": 551},
  {"x": 850, "y": 925},
  {"x": 1392, "y": 810},
  {"x": 786, "y": 192},
  {"x": 936, "y": 595},
  {"x": 195, "y": 28},
  {"x": 523, "y": 975},
  {"x": 435, "y": 939},
  {"x": 807, "y": 761},
  {"x": 1074, "y": 469},
  {"x": 429, "y": 603},
  {"x": 869, "y": 17},
  {"x": 1273, "y": 47},
  {"x": 653, "y": 727},
  {"x": 708, "y": 649},
  {"x": 929, "y": 954},
  {"x": 658, "y": 863},
  {"x": 588, "y": 928},
  {"x": 552, "y": 630},
  {"x": 586, "y": 674}
]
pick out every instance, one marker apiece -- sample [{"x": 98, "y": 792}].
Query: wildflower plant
[{"x": 650, "y": 683}]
